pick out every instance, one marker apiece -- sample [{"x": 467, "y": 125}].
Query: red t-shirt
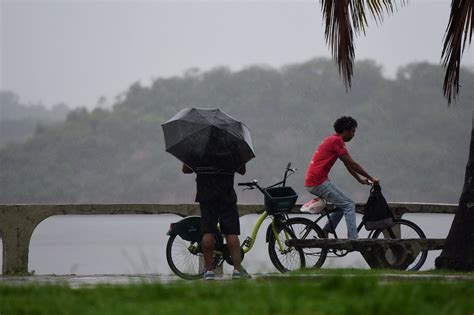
[{"x": 323, "y": 159}]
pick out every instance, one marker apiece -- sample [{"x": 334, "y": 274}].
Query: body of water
[{"x": 136, "y": 244}]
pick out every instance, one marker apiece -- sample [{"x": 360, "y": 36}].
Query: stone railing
[{"x": 17, "y": 222}]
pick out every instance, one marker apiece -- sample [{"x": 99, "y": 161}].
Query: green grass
[
  {"x": 374, "y": 272},
  {"x": 334, "y": 294}
]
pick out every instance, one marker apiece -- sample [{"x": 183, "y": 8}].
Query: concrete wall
[{"x": 17, "y": 222}]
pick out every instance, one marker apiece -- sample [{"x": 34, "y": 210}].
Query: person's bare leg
[
  {"x": 233, "y": 244},
  {"x": 208, "y": 249}
]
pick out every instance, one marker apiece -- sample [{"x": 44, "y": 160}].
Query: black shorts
[{"x": 224, "y": 213}]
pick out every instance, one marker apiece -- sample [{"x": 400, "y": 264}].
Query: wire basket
[{"x": 280, "y": 199}]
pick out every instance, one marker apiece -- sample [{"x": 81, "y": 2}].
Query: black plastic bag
[{"x": 377, "y": 215}]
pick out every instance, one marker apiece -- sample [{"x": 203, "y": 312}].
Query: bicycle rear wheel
[
  {"x": 285, "y": 258},
  {"x": 406, "y": 230},
  {"x": 185, "y": 258}
]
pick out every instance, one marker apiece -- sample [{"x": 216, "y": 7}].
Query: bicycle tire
[
  {"x": 291, "y": 258},
  {"x": 408, "y": 229},
  {"x": 304, "y": 228},
  {"x": 182, "y": 261}
]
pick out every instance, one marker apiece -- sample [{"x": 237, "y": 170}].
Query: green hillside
[
  {"x": 19, "y": 121},
  {"x": 407, "y": 135}
]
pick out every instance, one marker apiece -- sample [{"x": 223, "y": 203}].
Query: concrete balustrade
[{"x": 17, "y": 222}]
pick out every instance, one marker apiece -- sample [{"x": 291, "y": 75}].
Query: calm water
[{"x": 135, "y": 244}]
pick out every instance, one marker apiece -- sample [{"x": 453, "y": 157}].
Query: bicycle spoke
[
  {"x": 290, "y": 258},
  {"x": 183, "y": 259},
  {"x": 303, "y": 230}
]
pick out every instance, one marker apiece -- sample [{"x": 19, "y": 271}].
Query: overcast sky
[{"x": 75, "y": 51}]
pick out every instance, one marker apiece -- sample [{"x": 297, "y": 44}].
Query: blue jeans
[{"x": 329, "y": 192}]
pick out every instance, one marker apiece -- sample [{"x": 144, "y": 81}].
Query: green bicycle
[{"x": 184, "y": 253}]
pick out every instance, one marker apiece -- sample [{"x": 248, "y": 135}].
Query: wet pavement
[{"x": 77, "y": 281}]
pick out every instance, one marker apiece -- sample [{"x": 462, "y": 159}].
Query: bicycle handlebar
[{"x": 254, "y": 184}]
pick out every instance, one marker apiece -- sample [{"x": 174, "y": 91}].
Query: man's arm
[
  {"x": 242, "y": 170},
  {"x": 186, "y": 169},
  {"x": 356, "y": 169},
  {"x": 353, "y": 173}
]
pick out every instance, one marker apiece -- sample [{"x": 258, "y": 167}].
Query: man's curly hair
[{"x": 344, "y": 123}]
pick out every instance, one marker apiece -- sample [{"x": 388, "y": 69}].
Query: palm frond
[
  {"x": 340, "y": 36},
  {"x": 376, "y": 8},
  {"x": 342, "y": 19},
  {"x": 460, "y": 26}
]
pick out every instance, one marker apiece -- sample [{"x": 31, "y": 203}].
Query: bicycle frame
[
  {"x": 326, "y": 213},
  {"x": 249, "y": 241}
]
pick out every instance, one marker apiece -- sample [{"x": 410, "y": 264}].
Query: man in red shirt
[{"x": 318, "y": 183}]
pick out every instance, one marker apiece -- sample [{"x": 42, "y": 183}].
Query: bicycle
[
  {"x": 402, "y": 229},
  {"x": 183, "y": 250}
]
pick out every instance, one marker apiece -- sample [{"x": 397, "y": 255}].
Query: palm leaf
[
  {"x": 342, "y": 19},
  {"x": 460, "y": 26},
  {"x": 340, "y": 36}
]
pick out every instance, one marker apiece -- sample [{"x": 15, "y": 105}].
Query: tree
[
  {"x": 342, "y": 19},
  {"x": 458, "y": 253}
]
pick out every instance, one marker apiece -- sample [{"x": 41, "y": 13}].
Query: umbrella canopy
[{"x": 208, "y": 140}]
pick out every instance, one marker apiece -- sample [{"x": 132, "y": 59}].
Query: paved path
[
  {"x": 76, "y": 281},
  {"x": 87, "y": 280}
]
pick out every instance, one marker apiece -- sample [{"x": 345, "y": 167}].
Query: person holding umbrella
[
  {"x": 218, "y": 204},
  {"x": 215, "y": 146}
]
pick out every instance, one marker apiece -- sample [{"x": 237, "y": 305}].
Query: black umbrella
[{"x": 208, "y": 140}]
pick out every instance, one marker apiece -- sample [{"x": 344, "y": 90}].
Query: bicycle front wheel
[
  {"x": 284, "y": 257},
  {"x": 403, "y": 229},
  {"x": 305, "y": 229}
]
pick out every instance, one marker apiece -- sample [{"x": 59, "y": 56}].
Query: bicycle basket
[{"x": 280, "y": 199}]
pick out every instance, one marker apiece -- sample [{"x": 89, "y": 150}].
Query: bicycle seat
[{"x": 315, "y": 205}]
